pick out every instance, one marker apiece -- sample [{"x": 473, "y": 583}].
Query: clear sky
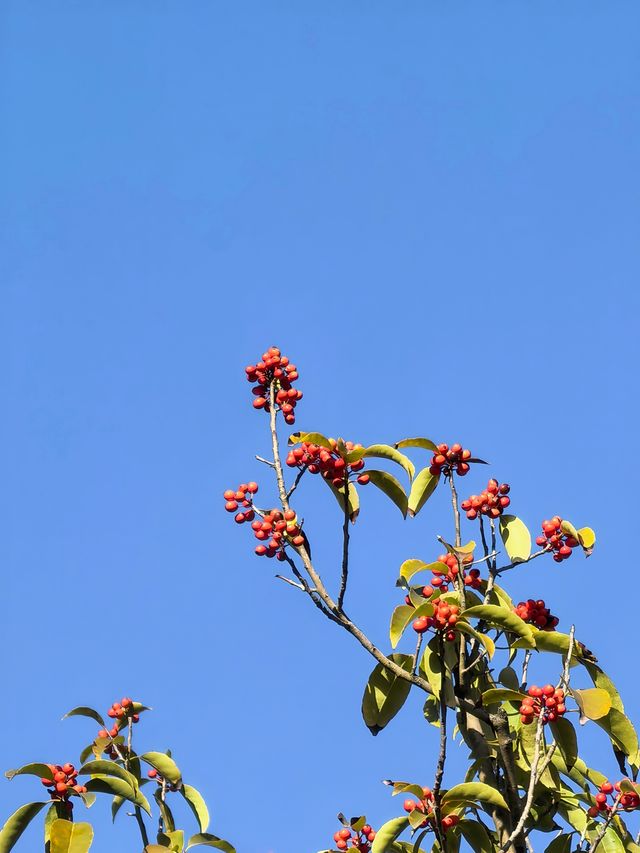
[{"x": 433, "y": 209}]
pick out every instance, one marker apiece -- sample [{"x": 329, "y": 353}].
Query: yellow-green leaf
[
  {"x": 424, "y": 443},
  {"x": 594, "y": 702},
  {"x": 498, "y": 694},
  {"x": 385, "y": 694},
  {"x": 385, "y": 451},
  {"x": 388, "y": 833},
  {"x": 67, "y": 837},
  {"x": 484, "y": 639},
  {"x": 388, "y": 484},
  {"x": 205, "y": 839},
  {"x": 502, "y": 618},
  {"x": 16, "y": 825},
  {"x": 422, "y": 488},
  {"x": 310, "y": 438},
  {"x": 474, "y": 792},
  {"x": 198, "y": 806},
  {"x": 516, "y": 538}
]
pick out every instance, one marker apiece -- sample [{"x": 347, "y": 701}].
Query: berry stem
[{"x": 345, "y": 541}]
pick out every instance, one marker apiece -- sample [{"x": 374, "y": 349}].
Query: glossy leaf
[
  {"x": 422, "y": 488},
  {"x": 43, "y": 771},
  {"x": 620, "y": 729},
  {"x": 486, "y": 641},
  {"x": 67, "y": 837},
  {"x": 83, "y": 711},
  {"x": 424, "y": 443},
  {"x": 197, "y": 804},
  {"x": 431, "y": 665},
  {"x": 388, "y": 484},
  {"x": 411, "y": 567},
  {"x": 205, "y": 839},
  {"x": 165, "y": 766},
  {"x": 516, "y": 538},
  {"x": 610, "y": 843},
  {"x": 310, "y": 438},
  {"x": 385, "y": 694},
  {"x": 118, "y": 788},
  {"x": 385, "y": 451},
  {"x": 474, "y": 792},
  {"x": 502, "y": 618},
  {"x": 108, "y": 768},
  {"x": 16, "y": 825},
  {"x": 388, "y": 833},
  {"x": 400, "y": 618}
]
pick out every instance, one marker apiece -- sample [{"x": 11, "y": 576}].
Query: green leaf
[
  {"x": 516, "y": 538},
  {"x": 474, "y": 792},
  {"x": 174, "y": 840},
  {"x": 402, "y": 615},
  {"x": 502, "y": 618},
  {"x": 422, "y": 488},
  {"x": 566, "y": 740},
  {"x": 165, "y": 811},
  {"x": 556, "y": 642},
  {"x": 354, "y": 500},
  {"x": 118, "y": 788},
  {"x": 16, "y": 825},
  {"x": 385, "y": 694},
  {"x": 476, "y": 836},
  {"x": 206, "y": 840},
  {"x": 560, "y": 844},
  {"x": 108, "y": 768},
  {"x": 388, "y": 833},
  {"x": 602, "y": 680},
  {"x": 424, "y": 443},
  {"x": 385, "y": 451},
  {"x": 610, "y": 843},
  {"x": 411, "y": 567},
  {"x": 509, "y": 677},
  {"x": 197, "y": 804},
  {"x": 594, "y": 703},
  {"x": 388, "y": 484},
  {"x": 82, "y": 711},
  {"x": 165, "y": 766},
  {"x": 463, "y": 627},
  {"x": 499, "y": 694},
  {"x": 116, "y": 805},
  {"x": 37, "y": 769},
  {"x": 67, "y": 837},
  {"x": 310, "y": 438},
  {"x": 431, "y": 665},
  {"x": 620, "y": 729}
]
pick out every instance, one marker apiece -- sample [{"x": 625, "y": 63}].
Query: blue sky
[{"x": 434, "y": 211}]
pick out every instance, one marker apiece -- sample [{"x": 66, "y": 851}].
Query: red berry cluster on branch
[
  {"x": 359, "y": 840},
  {"x": 451, "y": 458},
  {"x": 426, "y": 806},
  {"x": 441, "y": 581},
  {"x": 629, "y": 800},
  {"x": 62, "y": 783},
  {"x": 547, "y": 702},
  {"x": 275, "y": 369},
  {"x": 492, "y": 502},
  {"x": 121, "y": 712},
  {"x": 554, "y": 538},
  {"x": 328, "y": 462},
  {"x": 276, "y": 530},
  {"x": 444, "y": 618},
  {"x": 241, "y": 497},
  {"x": 168, "y": 786},
  {"x": 536, "y": 613}
]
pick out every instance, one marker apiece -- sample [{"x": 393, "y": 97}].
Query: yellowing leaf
[
  {"x": 594, "y": 703},
  {"x": 516, "y": 538},
  {"x": 67, "y": 837}
]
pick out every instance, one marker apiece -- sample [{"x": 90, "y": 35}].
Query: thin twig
[
  {"x": 265, "y": 461},
  {"x": 299, "y": 476},
  {"x": 605, "y": 826},
  {"x": 345, "y": 542}
]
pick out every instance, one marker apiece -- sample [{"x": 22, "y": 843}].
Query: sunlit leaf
[
  {"x": 16, "y": 825},
  {"x": 204, "y": 839},
  {"x": 501, "y": 618},
  {"x": 82, "y": 711},
  {"x": 594, "y": 703},
  {"x": 498, "y": 694},
  {"x": 385, "y": 451},
  {"x": 118, "y": 788},
  {"x": 388, "y": 484},
  {"x": 388, "y": 833},
  {"x": 385, "y": 694},
  {"x": 67, "y": 837},
  {"x": 310, "y": 438},
  {"x": 516, "y": 538},
  {"x": 43, "y": 771},
  {"x": 424, "y": 443},
  {"x": 197, "y": 805},
  {"x": 422, "y": 488},
  {"x": 474, "y": 792}
]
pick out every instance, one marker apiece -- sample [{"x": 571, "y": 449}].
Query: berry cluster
[
  {"x": 241, "y": 497},
  {"x": 358, "y": 840},
  {"x": 556, "y": 540},
  {"x": 536, "y": 613},
  {"x": 275, "y": 369},
  {"x": 492, "y": 502},
  {"x": 62, "y": 782},
  {"x": 276, "y": 530},
  {"x": 153, "y": 774},
  {"x": 426, "y": 805},
  {"x": 444, "y": 618},
  {"x": 546, "y": 702},
  {"x": 441, "y": 581},
  {"x": 449, "y": 458},
  {"x": 328, "y": 462},
  {"x": 629, "y": 800},
  {"x": 121, "y": 712}
]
